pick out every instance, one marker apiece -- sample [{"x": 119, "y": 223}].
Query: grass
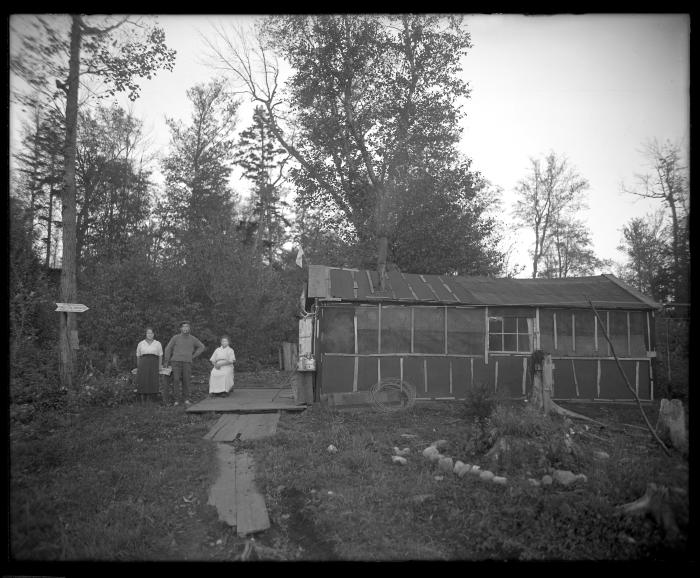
[
  {"x": 130, "y": 482},
  {"x": 125, "y": 483},
  {"x": 357, "y": 505}
]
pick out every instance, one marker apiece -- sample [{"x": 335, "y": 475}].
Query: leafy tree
[
  {"x": 263, "y": 162},
  {"x": 375, "y": 103},
  {"x": 667, "y": 181},
  {"x": 650, "y": 264},
  {"x": 112, "y": 182},
  {"x": 199, "y": 205},
  {"x": 117, "y": 62},
  {"x": 40, "y": 161},
  {"x": 548, "y": 195}
]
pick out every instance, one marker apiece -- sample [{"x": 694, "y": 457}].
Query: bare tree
[
  {"x": 667, "y": 181},
  {"x": 549, "y": 194}
]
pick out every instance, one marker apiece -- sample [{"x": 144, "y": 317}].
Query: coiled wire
[{"x": 407, "y": 394}]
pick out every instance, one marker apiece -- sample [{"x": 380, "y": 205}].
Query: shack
[{"x": 445, "y": 334}]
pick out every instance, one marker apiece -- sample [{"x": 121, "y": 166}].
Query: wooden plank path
[
  {"x": 250, "y": 400},
  {"x": 234, "y": 494},
  {"x": 245, "y": 426}
]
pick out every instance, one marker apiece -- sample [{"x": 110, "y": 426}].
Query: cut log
[{"x": 655, "y": 503}]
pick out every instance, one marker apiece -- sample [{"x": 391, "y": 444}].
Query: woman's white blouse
[
  {"x": 223, "y": 354},
  {"x": 153, "y": 348}
]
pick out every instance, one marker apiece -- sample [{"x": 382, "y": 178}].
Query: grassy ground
[
  {"x": 357, "y": 505},
  {"x": 130, "y": 483}
]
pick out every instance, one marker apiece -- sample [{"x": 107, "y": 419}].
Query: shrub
[{"x": 479, "y": 402}]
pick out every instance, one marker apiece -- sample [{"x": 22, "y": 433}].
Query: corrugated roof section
[{"x": 604, "y": 290}]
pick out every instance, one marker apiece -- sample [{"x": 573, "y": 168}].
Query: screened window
[
  {"x": 339, "y": 330},
  {"x": 465, "y": 331},
  {"x": 510, "y": 333},
  {"x": 367, "y": 329},
  {"x": 429, "y": 330},
  {"x": 396, "y": 330}
]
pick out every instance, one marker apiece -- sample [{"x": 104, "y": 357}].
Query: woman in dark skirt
[{"x": 149, "y": 354}]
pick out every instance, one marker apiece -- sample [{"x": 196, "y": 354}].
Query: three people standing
[{"x": 180, "y": 351}]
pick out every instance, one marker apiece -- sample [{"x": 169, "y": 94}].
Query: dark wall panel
[
  {"x": 465, "y": 331},
  {"x": 585, "y": 328},
  {"x": 586, "y": 375},
  {"x": 644, "y": 380},
  {"x": 337, "y": 374},
  {"x": 618, "y": 332},
  {"x": 564, "y": 387},
  {"x": 564, "y": 334},
  {"x": 367, "y": 329},
  {"x": 413, "y": 373},
  {"x": 546, "y": 331},
  {"x": 390, "y": 367},
  {"x": 460, "y": 376},
  {"x": 367, "y": 373},
  {"x": 612, "y": 385},
  {"x": 396, "y": 329},
  {"x": 637, "y": 333},
  {"x": 510, "y": 376},
  {"x": 438, "y": 376}
]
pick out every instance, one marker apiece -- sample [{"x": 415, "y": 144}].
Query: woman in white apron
[{"x": 221, "y": 378}]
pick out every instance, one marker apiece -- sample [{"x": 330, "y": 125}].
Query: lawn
[
  {"x": 130, "y": 482},
  {"x": 356, "y": 504}
]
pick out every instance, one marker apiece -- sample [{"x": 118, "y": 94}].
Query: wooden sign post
[{"x": 65, "y": 309}]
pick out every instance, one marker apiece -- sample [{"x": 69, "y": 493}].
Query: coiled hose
[{"x": 392, "y": 402}]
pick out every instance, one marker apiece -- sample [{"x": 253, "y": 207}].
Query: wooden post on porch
[{"x": 547, "y": 383}]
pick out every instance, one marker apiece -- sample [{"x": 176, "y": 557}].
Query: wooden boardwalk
[
  {"x": 250, "y": 400},
  {"x": 234, "y": 494},
  {"x": 245, "y": 426}
]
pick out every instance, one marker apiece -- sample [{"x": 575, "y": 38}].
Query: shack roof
[{"x": 605, "y": 291}]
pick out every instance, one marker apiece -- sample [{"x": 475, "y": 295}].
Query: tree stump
[{"x": 671, "y": 424}]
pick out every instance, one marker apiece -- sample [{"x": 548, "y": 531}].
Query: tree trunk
[
  {"x": 49, "y": 224},
  {"x": 382, "y": 251},
  {"x": 69, "y": 288}
]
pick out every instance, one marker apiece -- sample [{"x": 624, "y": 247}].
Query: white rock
[
  {"x": 476, "y": 470},
  {"x": 533, "y": 482},
  {"x": 463, "y": 471},
  {"x": 399, "y": 460},
  {"x": 331, "y": 449},
  {"x": 601, "y": 455},
  {"x": 430, "y": 450},
  {"x": 402, "y": 452},
  {"x": 439, "y": 444},
  {"x": 546, "y": 480},
  {"x": 445, "y": 465},
  {"x": 458, "y": 466},
  {"x": 486, "y": 475},
  {"x": 564, "y": 477},
  {"x": 439, "y": 478},
  {"x": 499, "y": 480}
]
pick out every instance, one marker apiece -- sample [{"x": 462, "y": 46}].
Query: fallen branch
[{"x": 627, "y": 383}]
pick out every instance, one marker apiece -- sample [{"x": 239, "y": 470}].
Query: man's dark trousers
[{"x": 182, "y": 373}]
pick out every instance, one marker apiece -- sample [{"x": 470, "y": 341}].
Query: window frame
[{"x": 503, "y": 333}]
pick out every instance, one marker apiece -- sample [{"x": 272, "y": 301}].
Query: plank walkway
[
  {"x": 245, "y": 426},
  {"x": 234, "y": 494},
  {"x": 250, "y": 400}
]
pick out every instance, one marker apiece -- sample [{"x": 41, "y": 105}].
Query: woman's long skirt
[
  {"x": 221, "y": 380},
  {"x": 147, "y": 375}
]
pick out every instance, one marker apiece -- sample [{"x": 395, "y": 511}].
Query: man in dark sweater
[{"x": 182, "y": 349}]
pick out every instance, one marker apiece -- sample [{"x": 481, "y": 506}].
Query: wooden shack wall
[{"x": 441, "y": 351}]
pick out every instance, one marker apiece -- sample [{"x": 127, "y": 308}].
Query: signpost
[
  {"x": 71, "y": 307},
  {"x": 65, "y": 309}
]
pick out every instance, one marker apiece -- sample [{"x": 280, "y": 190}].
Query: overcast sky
[{"x": 591, "y": 87}]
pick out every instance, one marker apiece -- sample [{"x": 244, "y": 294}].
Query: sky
[{"x": 593, "y": 88}]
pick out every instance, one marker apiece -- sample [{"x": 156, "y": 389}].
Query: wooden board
[
  {"x": 248, "y": 426},
  {"x": 251, "y": 513},
  {"x": 234, "y": 494},
  {"x": 222, "y": 494}
]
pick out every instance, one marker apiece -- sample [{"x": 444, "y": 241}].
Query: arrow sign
[{"x": 71, "y": 307}]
